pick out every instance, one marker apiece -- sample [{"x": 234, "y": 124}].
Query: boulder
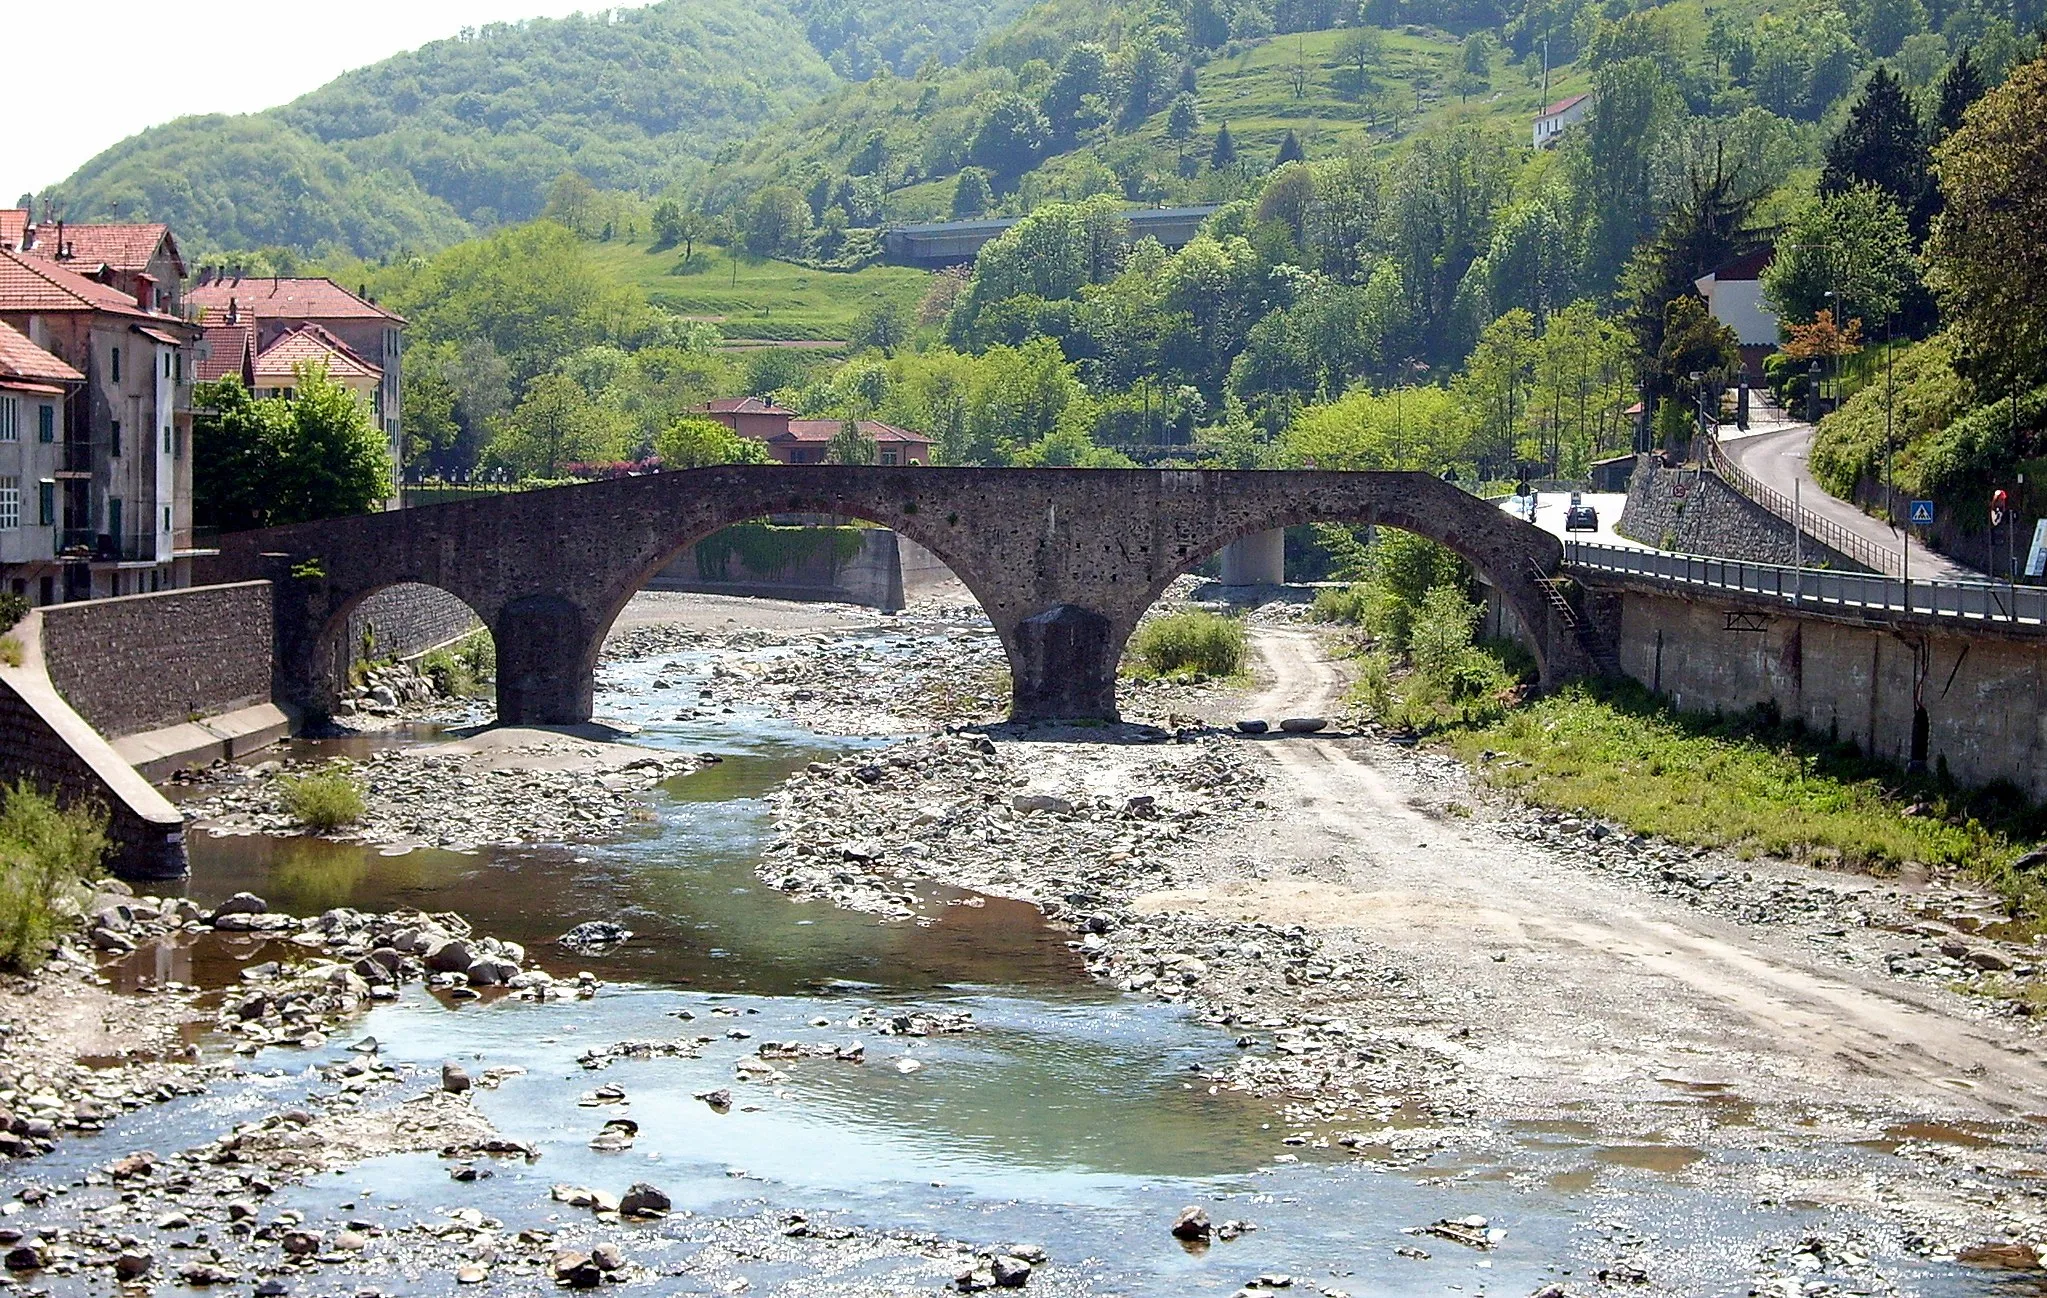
[
  {"x": 643, "y": 1200},
  {"x": 1252, "y": 726},
  {"x": 1041, "y": 802},
  {"x": 242, "y": 903},
  {"x": 454, "y": 1079},
  {"x": 577, "y": 1270},
  {"x": 450, "y": 956},
  {"x": 1193, "y": 1224},
  {"x": 1304, "y": 725}
]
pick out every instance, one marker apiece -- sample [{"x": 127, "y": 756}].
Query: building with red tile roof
[
  {"x": 371, "y": 335},
  {"x": 24, "y": 363},
  {"x": 224, "y": 350},
  {"x": 35, "y": 389},
  {"x": 140, "y": 260},
  {"x": 804, "y": 441},
  {"x": 118, "y": 487},
  {"x": 276, "y": 366},
  {"x": 1553, "y": 118}
]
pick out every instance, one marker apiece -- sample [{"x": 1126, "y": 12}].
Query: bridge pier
[
  {"x": 1064, "y": 662},
  {"x": 1256, "y": 560},
  {"x": 546, "y": 663}
]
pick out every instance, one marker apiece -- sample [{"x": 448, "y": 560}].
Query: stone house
[
  {"x": 362, "y": 342},
  {"x": 124, "y": 484}
]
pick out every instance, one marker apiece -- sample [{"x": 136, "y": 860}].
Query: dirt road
[{"x": 1584, "y": 992}]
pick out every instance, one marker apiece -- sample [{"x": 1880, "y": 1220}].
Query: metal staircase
[{"x": 1567, "y": 616}]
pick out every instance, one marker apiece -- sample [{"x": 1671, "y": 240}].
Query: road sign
[
  {"x": 1922, "y": 513},
  {"x": 2036, "y": 558},
  {"x": 1998, "y": 503}
]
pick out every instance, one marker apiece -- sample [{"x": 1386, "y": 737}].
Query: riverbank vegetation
[
  {"x": 47, "y": 853},
  {"x": 323, "y": 801},
  {"x": 1189, "y": 643}
]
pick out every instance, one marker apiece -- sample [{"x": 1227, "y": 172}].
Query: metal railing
[
  {"x": 74, "y": 457},
  {"x": 1827, "y": 532},
  {"x": 1819, "y": 588}
]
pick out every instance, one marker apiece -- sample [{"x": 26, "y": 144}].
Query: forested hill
[{"x": 467, "y": 133}]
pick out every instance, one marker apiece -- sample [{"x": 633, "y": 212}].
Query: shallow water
[{"x": 1070, "y": 1116}]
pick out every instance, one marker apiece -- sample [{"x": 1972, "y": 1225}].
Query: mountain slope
[{"x": 467, "y": 133}]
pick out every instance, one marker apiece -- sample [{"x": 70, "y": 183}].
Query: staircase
[{"x": 1567, "y": 616}]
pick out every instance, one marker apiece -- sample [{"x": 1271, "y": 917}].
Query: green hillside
[
  {"x": 468, "y": 133},
  {"x": 755, "y": 297}
]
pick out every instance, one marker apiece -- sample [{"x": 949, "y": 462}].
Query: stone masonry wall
[
  {"x": 1713, "y": 518},
  {"x": 409, "y": 619},
  {"x": 140, "y": 662}
]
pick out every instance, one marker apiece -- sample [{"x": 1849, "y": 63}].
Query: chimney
[
  {"x": 145, "y": 292},
  {"x": 63, "y": 249},
  {"x": 234, "y": 311}
]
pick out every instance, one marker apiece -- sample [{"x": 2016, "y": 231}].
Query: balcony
[
  {"x": 76, "y": 542},
  {"x": 102, "y": 547}
]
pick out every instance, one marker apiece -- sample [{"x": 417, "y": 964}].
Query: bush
[
  {"x": 459, "y": 670},
  {"x": 1193, "y": 641},
  {"x": 13, "y": 608},
  {"x": 46, "y": 854},
  {"x": 1345, "y": 604},
  {"x": 10, "y": 651},
  {"x": 323, "y": 801}
]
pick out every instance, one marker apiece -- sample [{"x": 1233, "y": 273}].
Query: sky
[{"x": 197, "y": 56}]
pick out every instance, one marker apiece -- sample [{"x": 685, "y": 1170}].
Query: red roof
[
  {"x": 23, "y": 360},
  {"x": 744, "y": 406},
  {"x": 824, "y": 430},
  {"x": 1750, "y": 265},
  {"x": 29, "y": 283},
  {"x": 1562, "y": 104},
  {"x": 311, "y": 343},
  {"x": 13, "y": 225},
  {"x": 226, "y": 349},
  {"x": 271, "y": 298}
]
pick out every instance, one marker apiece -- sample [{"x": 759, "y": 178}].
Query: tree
[
  {"x": 431, "y": 429},
  {"x": 1695, "y": 343},
  {"x": 851, "y": 445},
  {"x": 1822, "y": 339},
  {"x": 1881, "y": 26},
  {"x": 1708, "y": 225},
  {"x": 1361, "y": 49},
  {"x": 555, "y": 425},
  {"x": 1290, "y": 150},
  {"x": 1853, "y": 248},
  {"x": 675, "y": 224},
  {"x": 1961, "y": 86},
  {"x": 1988, "y": 265},
  {"x": 571, "y": 201},
  {"x": 1010, "y": 136},
  {"x": 271, "y": 462},
  {"x": 1181, "y": 121},
  {"x": 1883, "y": 144},
  {"x": 1224, "y": 155},
  {"x": 1633, "y": 106},
  {"x": 776, "y": 222},
  {"x": 1074, "y": 101},
  {"x": 1494, "y": 387},
  {"x": 692, "y": 442},
  {"x": 971, "y": 195},
  {"x": 880, "y": 325}
]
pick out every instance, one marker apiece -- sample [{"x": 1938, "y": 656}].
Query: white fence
[{"x": 1820, "y": 588}]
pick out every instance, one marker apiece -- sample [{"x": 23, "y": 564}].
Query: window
[
  {"x": 10, "y": 503},
  {"x": 10, "y": 411},
  {"x": 114, "y": 518},
  {"x": 117, "y": 365},
  {"x": 46, "y": 508},
  {"x": 177, "y": 367},
  {"x": 46, "y": 423},
  {"x": 115, "y": 449},
  {"x": 166, "y": 518},
  {"x": 166, "y": 439},
  {"x": 166, "y": 364},
  {"x": 888, "y": 456}
]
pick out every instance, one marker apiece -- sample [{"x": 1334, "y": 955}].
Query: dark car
[{"x": 1581, "y": 518}]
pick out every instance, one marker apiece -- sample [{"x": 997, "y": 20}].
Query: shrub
[
  {"x": 1193, "y": 641},
  {"x": 46, "y": 854},
  {"x": 1346, "y": 604},
  {"x": 323, "y": 801},
  {"x": 10, "y": 651},
  {"x": 13, "y": 608}
]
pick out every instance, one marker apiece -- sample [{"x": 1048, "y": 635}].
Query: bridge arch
[
  {"x": 337, "y": 643},
  {"x": 1063, "y": 561}
]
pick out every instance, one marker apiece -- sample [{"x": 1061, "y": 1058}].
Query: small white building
[
  {"x": 1734, "y": 294},
  {"x": 1551, "y": 121}
]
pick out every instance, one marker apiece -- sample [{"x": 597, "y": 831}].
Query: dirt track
[{"x": 1589, "y": 992}]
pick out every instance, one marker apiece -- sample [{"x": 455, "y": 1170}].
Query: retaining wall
[
  {"x": 1984, "y": 692},
  {"x": 1713, "y": 518},
  {"x": 142, "y": 662}
]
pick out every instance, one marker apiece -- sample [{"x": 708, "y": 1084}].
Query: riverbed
[{"x": 1002, "y": 1102}]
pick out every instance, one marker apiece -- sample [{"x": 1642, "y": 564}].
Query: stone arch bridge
[{"x": 1064, "y": 561}]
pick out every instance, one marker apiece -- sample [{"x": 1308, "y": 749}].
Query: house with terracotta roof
[
  {"x": 356, "y": 337},
  {"x": 1551, "y": 122},
  {"x": 791, "y": 440},
  {"x": 35, "y": 390},
  {"x": 140, "y": 260},
  {"x": 123, "y": 492}
]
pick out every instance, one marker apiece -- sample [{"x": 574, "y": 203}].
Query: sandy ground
[{"x": 721, "y": 612}]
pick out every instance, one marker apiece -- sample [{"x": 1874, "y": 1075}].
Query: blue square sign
[{"x": 1922, "y": 513}]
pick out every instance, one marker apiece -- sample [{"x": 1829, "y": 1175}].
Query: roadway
[
  {"x": 1775, "y": 450},
  {"x": 1550, "y": 507}
]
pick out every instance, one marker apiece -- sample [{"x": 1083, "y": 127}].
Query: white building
[
  {"x": 1551, "y": 121},
  {"x": 1734, "y": 294}
]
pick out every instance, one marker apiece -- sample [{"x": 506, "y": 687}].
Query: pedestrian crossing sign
[{"x": 1922, "y": 513}]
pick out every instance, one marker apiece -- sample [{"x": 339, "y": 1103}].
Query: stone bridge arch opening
[{"x": 403, "y": 621}]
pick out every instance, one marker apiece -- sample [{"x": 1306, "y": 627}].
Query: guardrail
[
  {"x": 1820, "y": 588},
  {"x": 1827, "y": 532}
]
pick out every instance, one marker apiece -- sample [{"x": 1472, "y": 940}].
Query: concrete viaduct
[{"x": 1064, "y": 561}]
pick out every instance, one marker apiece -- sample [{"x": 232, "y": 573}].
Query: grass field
[{"x": 754, "y": 298}]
